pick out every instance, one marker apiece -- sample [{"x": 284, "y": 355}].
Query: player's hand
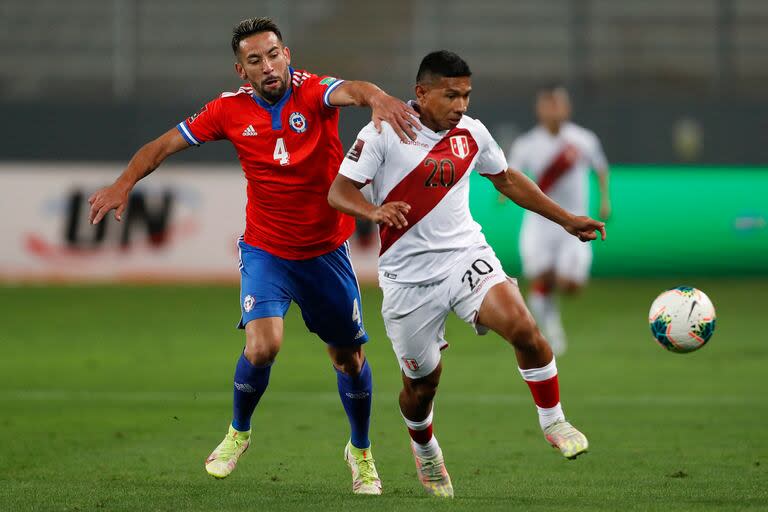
[
  {"x": 113, "y": 197},
  {"x": 400, "y": 116},
  {"x": 585, "y": 229},
  {"x": 391, "y": 214}
]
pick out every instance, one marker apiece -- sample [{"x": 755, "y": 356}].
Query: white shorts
[
  {"x": 545, "y": 246},
  {"x": 414, "y": 316}
]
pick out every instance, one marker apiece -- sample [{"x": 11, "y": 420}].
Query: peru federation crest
[
  {"x": 460, "y": 146},
  {"x": 298, "y": 122}
]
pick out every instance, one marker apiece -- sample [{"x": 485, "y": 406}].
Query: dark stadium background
[{"x": 99, "y": 78}]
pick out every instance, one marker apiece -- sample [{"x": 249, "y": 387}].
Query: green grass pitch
[{"x": 111, "y": 398}]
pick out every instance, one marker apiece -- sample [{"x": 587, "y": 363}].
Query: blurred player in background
[
  {"x": 434, "y": 257},
  {"x": 557, "y": 154},
  {"x": 284, "y": 126}
]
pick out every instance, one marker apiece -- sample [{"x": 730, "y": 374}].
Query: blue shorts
[{"x": 325, "y": 288}]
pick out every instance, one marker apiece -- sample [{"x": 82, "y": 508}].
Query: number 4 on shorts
[{"x": 356, "y": 312}]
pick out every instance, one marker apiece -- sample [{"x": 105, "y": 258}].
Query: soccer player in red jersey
[{"x": 284, "y": 126}]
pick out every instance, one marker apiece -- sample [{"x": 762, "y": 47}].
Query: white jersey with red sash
[
  {"x": 432, "y": 175},
  {"x": 559, "y": 163}
]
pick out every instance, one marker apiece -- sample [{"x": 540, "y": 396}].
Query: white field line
[{"x": 386, "y": 396}]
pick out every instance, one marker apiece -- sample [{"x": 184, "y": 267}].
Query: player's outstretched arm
[
  {"x": 146, "y": 160},
  {"x": 520, "y": 189},
  {"x": 605, "y": 196},
  {"x": 346, "y": 197},
  {"x": 402, "y": 118}
]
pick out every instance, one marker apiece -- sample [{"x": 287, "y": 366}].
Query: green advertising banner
[{"x": 667, "y": 220}]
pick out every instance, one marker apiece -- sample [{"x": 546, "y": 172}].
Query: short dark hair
[
  {"x": 250, "y": 26},
  {"x": 550, "y": 89},
  {"x": 442, "y": 64}
]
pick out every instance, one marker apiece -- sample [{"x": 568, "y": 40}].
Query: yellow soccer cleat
[
  {"x": 563, "y": 436},
  {"x": 222, "y": 461},
  {"x": 365, "y": 479},
  {"x": 433, "y": 475}
]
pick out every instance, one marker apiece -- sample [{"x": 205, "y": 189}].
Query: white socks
[
  {"x": 545, "y": 309},
  {"x": 545, "y": 390},
  {"x": 426, "y": 451},
  {"x": 551, "y": 415},
  {"x": 547, "y": 314},
  {"x": 540, "y": 305},
  {"x": 424, "y": 443}
]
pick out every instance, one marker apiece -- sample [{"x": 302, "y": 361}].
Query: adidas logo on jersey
[{"x": 249, "y": 132}]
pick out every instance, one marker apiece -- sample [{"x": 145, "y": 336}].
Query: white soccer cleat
[
  {"x": 365, "y": 478},
  {"x": 564, "y": 436},
  {"x": 433, "y": 475},
  {"x": 222, "y": 461}
]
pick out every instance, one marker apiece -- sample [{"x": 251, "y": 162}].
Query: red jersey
[{"x": 290, "y": 153}]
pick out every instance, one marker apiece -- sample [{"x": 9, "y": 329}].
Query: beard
[{"x": 272, "y": 95}]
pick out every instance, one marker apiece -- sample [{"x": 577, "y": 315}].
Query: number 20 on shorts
[{"x": 480, "y": 267}]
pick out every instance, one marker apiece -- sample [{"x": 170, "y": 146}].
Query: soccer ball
[{"x": 682, "y": 319}]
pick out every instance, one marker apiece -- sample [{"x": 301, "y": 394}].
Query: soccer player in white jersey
[
  {"x": 557, "y": 154},
  {"x": 434, "y": 257}
]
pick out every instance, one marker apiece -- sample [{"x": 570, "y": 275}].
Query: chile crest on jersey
[{"x": 298, "y": 122}]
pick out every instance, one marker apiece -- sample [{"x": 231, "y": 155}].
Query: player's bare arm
[
  {"x": 146, "y": 160},
  {"x": 605, "y": 197},
  {"x": 524, "y": 192},
  {"x": 346, "y": 197},
  {"x": 402, "y": 118}
]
